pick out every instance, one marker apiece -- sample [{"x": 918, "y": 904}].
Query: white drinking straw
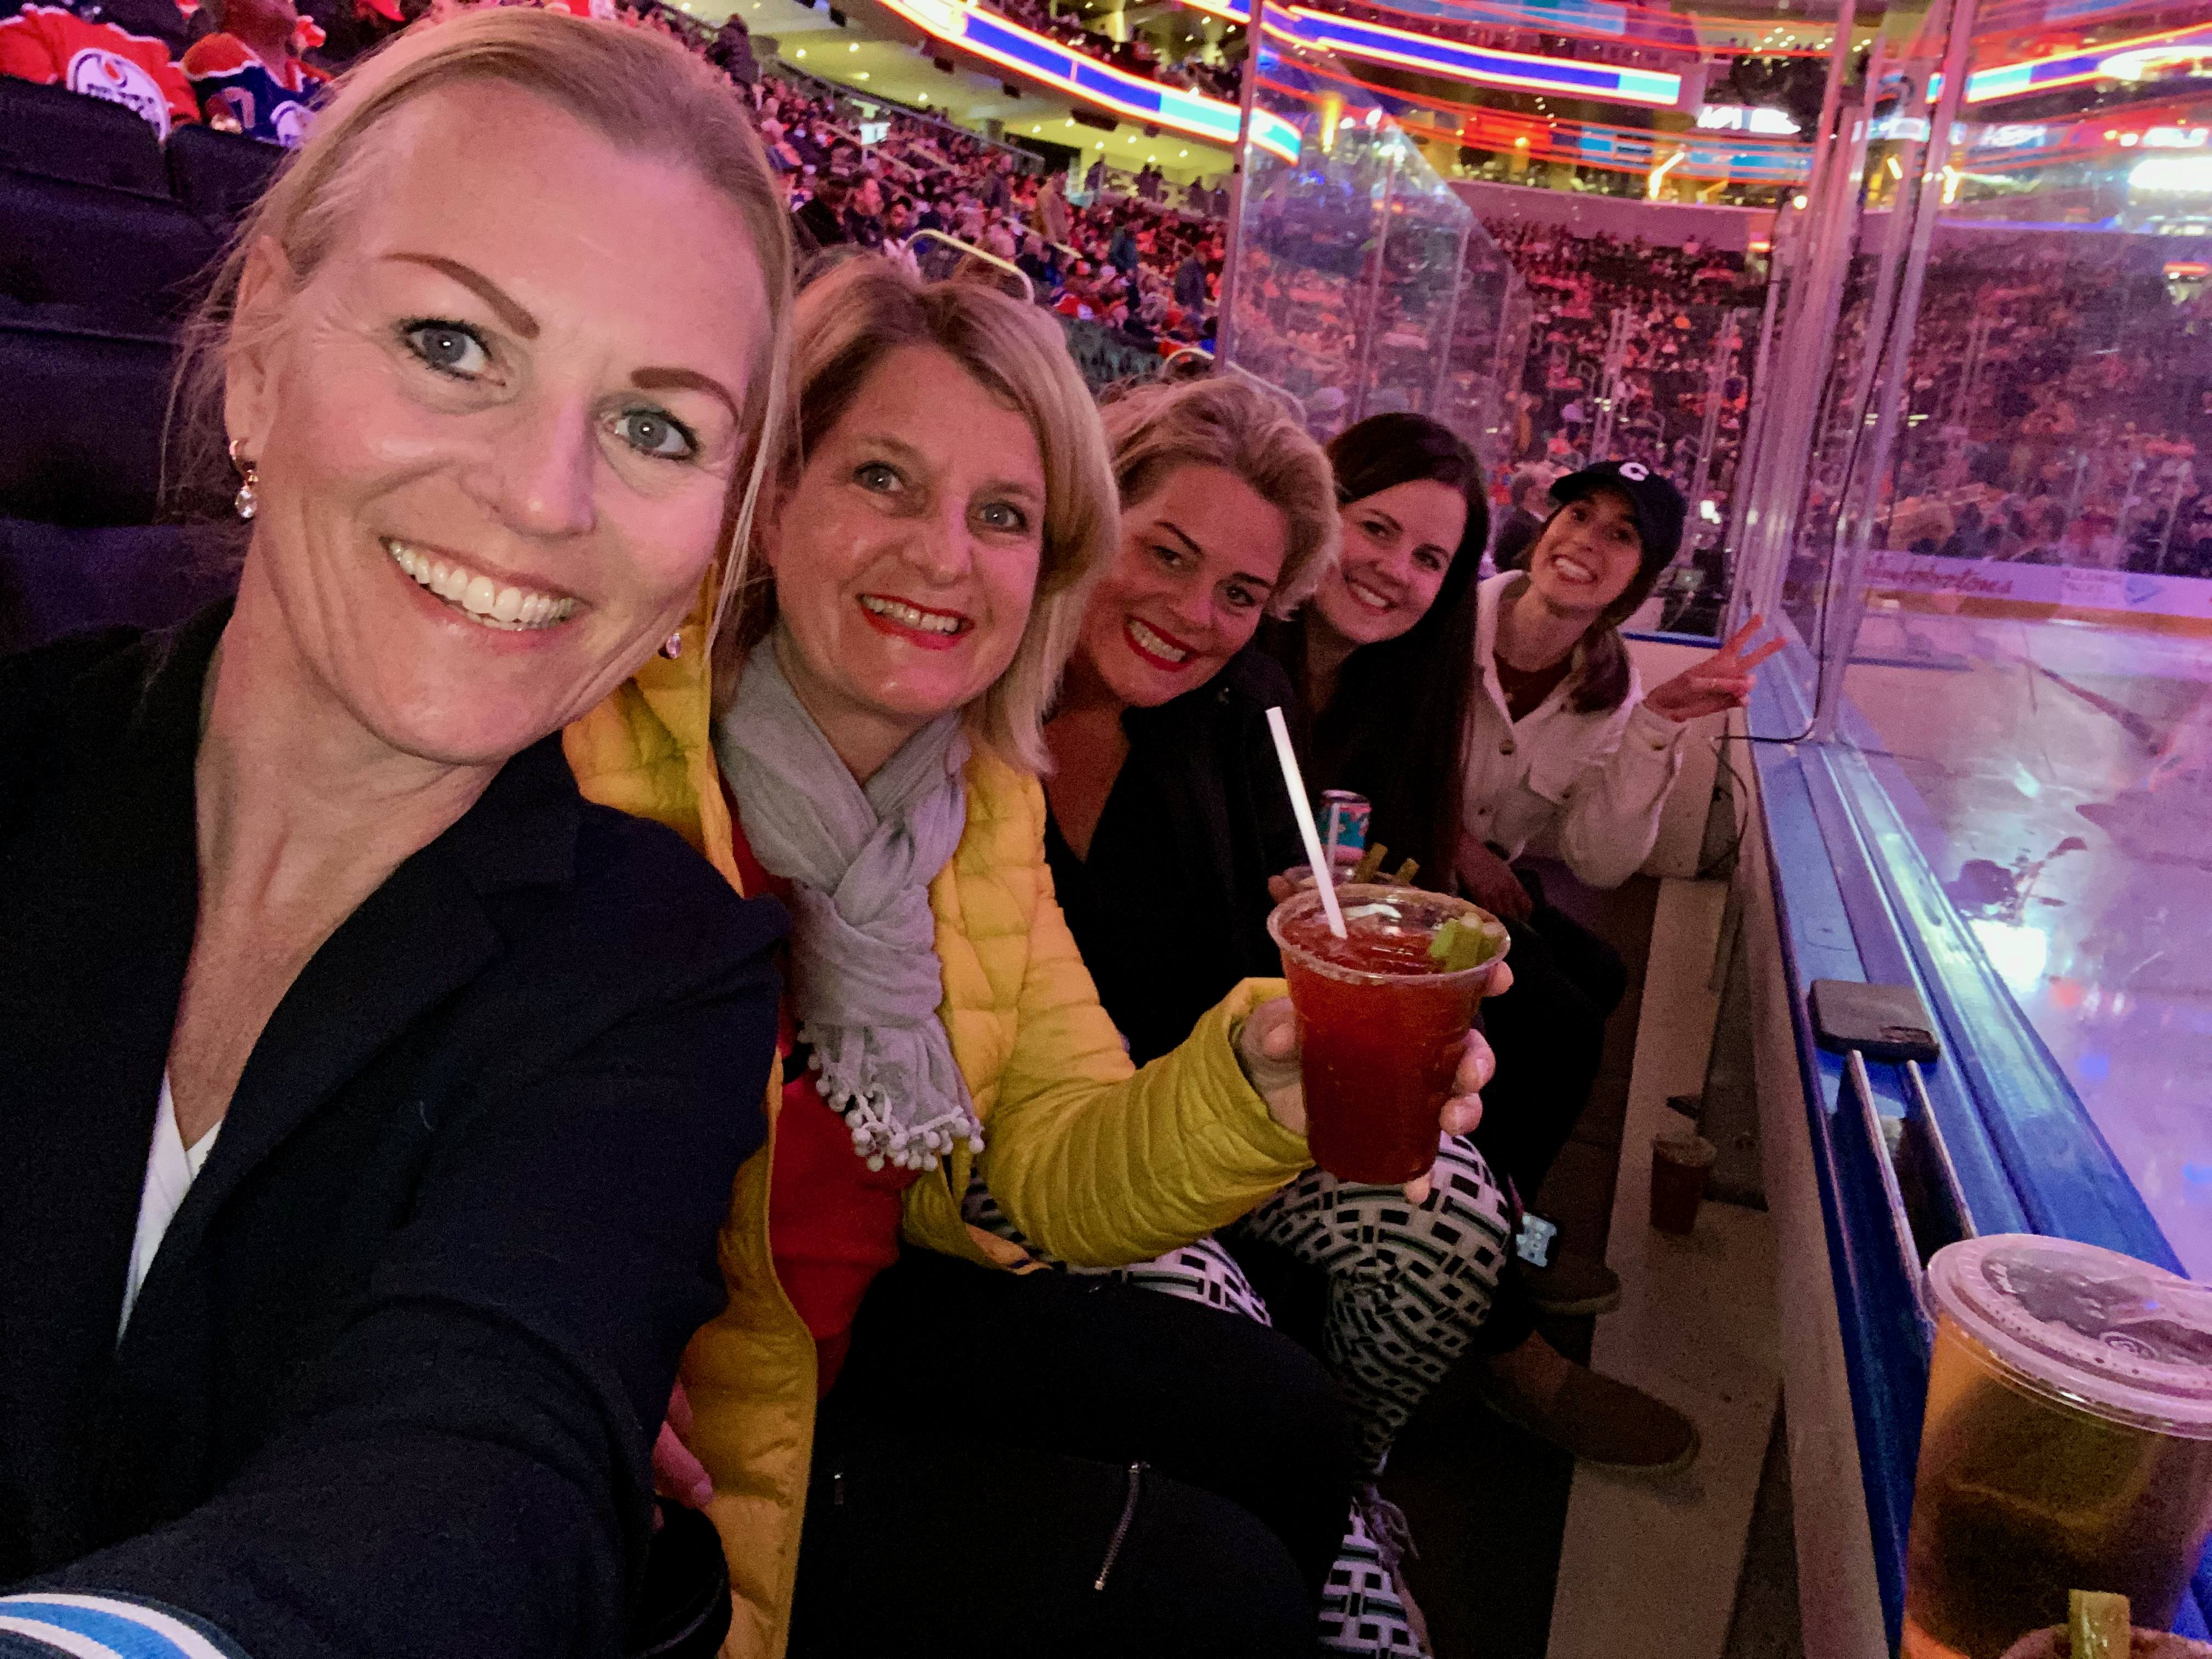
[{"x": 1315, "y": 856}]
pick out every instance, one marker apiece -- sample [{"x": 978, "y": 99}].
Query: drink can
[
  {"x": 1344, "y": 820},
  {"x": 2067, "y": 1445}
]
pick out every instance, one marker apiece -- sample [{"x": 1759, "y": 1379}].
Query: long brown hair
[{"x": 1394, "y": 729}]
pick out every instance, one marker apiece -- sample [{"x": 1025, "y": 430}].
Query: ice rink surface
[{"x": 2064, "y": 780}]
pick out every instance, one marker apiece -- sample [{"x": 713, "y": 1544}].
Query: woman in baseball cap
[
  {"x": 1559, "y": 737},
  {"x": 1562, "y": 738}
]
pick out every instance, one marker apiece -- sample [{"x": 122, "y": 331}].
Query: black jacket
[
  {"x": 1170, "y": 908},
  {"x": 818, "y": 224},
  {"x": 391, "y": 1384}
]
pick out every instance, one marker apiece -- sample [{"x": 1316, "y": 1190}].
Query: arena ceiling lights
[
  {"x": 1450, "y": 60},
  {"x": 2174, "y": 53},
  {"x": 1008, "y": 45}
]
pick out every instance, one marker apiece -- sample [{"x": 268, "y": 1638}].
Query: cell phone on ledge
[{"x": 1882, "y": 1021}]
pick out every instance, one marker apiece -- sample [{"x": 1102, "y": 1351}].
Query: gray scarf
[{"x": 865, "y": 973}]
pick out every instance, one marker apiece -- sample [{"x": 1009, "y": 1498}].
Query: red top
[
  {"x": 833, "y": 1222},
  {"x": 53, "y": 46}
]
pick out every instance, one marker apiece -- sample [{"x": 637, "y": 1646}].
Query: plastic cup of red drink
[{"x": 1382, "y": 1025}]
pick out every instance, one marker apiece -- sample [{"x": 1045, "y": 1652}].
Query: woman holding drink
[
  {"x": 1553, "y": 732},
  {"x": 1167, "y": 816},
  {"x": 1399, "y": 708},
  {"x": 1129, "y": 1472}
]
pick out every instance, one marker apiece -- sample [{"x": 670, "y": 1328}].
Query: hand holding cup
[{"x": 1267, "y": 1047}]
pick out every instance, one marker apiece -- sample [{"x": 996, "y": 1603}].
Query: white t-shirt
[{"x": 171, "y": 1169}]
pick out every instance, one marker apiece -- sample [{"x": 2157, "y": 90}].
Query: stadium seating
[
  {"x": 217, "y": 176},
  {"x": 62, "y": 135},
  {"x": 130, "y": 256},
  {"x": 105, "y": 235},
  {"x": 81, "y": 426},
  {"x": 56, "y": 580}
]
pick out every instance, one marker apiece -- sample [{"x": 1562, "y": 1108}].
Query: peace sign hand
[{"x": 1723, "y": 680}]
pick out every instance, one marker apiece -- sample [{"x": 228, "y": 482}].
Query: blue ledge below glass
[{"x": 1855, "y": 899}]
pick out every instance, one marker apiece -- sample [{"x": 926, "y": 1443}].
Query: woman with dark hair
[
  {"x": 1564, "y": 740},
  {"x": 1461, "y": 729},
  {"x": 1379, "y": 655}
]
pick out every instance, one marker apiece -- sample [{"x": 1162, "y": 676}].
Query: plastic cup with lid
[{"x": 2067, "y": 1442}]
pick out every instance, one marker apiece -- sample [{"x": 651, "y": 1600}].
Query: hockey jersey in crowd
[
  {"x": 274, "y": 105},
  {"x": 91, "y": 54}
]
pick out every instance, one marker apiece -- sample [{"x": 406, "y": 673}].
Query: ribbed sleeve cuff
[
  {"x": 1266, "y": 1138},
  {"x": 1648, "y": 731},
  {"x": 42, "y": 1625}
]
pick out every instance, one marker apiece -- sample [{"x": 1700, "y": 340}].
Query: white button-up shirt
[{"x": 1599, "y": 780}]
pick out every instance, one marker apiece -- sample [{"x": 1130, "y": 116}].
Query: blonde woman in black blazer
[{"x": 303, "y": 894}]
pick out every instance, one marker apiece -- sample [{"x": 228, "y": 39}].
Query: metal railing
[{"x": 934, "y": 268}]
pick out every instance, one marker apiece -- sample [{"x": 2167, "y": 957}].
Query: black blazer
[
  {"x": 1171, "y": 908},
  {"x": 391, "y": 1384}
]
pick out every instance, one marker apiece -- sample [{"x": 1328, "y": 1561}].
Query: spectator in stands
[
  {"x": 926, "y": 570},
  {"x": 822, "y": 221},
  {"x": 1190, "y": 282},
  {"x": 1397, "y": 708},
  {"x": 1562, "y": 739},
  {"x": 370, "y": 1100},
  {"x": 248, "y": 76},
  {"x": 898, "y": 230},
  {"x": 733, "y": 53},
  {"x": 1121, "y": 252},
  {"x": 1530, "y": 508},
  {"x": 863, "y": 214},
  {"x": 1037, "y": 266},
  {"x": 1166, "y": 819},
  {"x": 1052, "y": 209},
  {"x": 88, "y": 49}
]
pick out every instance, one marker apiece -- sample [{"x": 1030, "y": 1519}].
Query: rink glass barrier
[
  {"x": 1981, "y": 505},
  {"x": 1364, "y": 281},
  {"x": 1361, "y": 283}
]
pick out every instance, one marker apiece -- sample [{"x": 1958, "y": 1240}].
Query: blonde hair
[
  {"x": 1156, "y": 429},
  {"x": 845, "y": 322},
  {"x": 637, "y": 89}
]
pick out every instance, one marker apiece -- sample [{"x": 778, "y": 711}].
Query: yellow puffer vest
[{"x": 1098, "y": 1164}]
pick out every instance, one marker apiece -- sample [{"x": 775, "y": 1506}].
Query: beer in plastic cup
[
  {"x": 2068, "y": 1442},
  {"x": 1380, "y": 1025},
  {"x": 1680, "y": 1166}
]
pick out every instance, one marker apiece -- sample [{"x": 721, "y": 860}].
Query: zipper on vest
[{"x": 1121, "y": 1527}]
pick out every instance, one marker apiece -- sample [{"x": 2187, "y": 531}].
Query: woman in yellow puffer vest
[{"x": 883, "y": 683}]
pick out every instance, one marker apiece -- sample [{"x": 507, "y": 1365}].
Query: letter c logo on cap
[{"x": 1635, "y": 470}]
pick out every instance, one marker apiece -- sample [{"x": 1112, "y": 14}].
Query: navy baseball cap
[{"x": 1658, "y": 505}]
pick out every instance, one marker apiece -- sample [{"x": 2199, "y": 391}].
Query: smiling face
[
  {"x": 906, "y": 555},
  {"x": 1199, "y": 558},
  {"x": 1398, "y": 543},
  {"x": 1588, "y": 553},
  {"x": 490, "y": 479}
]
